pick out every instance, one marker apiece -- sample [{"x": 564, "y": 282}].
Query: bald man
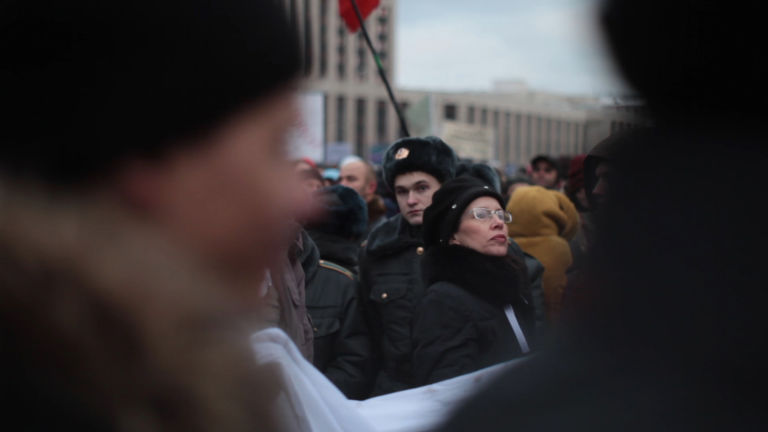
[{"x": 359, "y": 175}]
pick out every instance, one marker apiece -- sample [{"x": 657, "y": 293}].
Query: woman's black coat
[{"x": 461, "y": 325}]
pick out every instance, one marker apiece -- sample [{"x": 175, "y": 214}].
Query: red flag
[{"x": 347, "y": 11}]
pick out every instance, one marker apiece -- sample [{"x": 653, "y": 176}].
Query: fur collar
[
  {"x": 497, "y": 280},
  {"x": 393, "y": 236}
]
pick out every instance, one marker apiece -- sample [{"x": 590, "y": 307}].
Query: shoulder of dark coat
[
  {"x": 390, "y": 237},
  {"x": 384, "y": 233},
  {"x": 445, "y": 292},
  {"x": 337, "y": 268}
]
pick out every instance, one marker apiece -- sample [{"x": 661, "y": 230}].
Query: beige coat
[{"x": 543, "y": 222}]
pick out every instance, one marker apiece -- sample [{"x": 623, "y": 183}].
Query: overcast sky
[{"x": 551, "y": 45}]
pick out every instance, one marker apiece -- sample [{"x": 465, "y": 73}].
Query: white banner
[
  {"x": 311, "y": 403},
  {"x": 308, "y": 135}
]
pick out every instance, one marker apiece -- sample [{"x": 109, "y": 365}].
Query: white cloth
[{"x": 311, "y": 403}]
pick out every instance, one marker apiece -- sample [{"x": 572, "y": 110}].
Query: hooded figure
[{"x": 543, "y": 222}]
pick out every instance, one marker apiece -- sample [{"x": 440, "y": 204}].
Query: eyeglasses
[{"x": 482, "y": 213}]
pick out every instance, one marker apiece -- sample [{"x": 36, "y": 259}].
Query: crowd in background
[{"x": 378, "y": 329}]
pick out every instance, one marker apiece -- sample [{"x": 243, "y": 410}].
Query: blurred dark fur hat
[{"x": 346, "y": 213}]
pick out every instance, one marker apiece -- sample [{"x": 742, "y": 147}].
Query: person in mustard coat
[{"x": 543, "y": 222}]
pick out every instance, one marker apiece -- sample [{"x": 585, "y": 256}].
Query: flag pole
[{"x": 382, "y": 73}]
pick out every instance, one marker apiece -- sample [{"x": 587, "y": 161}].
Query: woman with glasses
[{"x": 477, "y": 310}]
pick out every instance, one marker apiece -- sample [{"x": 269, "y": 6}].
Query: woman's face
[{"x": 488, "y": 236}]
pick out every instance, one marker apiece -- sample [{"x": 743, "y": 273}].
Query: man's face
[
  {"x": 355, "y": 175},
  {"x": 414, "y": 192},
  {"x": 219, "y": 197},
  {"x": 544, "y": 174}
]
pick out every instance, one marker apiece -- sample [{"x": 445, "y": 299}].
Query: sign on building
[{"x": 469, "y": 141}]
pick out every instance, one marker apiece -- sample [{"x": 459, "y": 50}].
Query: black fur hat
[
  {"x": 480, "y": 171},
  {"x": 428, "y": 154},
  {"x": 346, "y": 214},
  {"x": 442, "y": 217}
]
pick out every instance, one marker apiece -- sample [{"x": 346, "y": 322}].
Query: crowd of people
[
  {"x": 426, "y": 289},
  {"x": 151, "y": 222}
]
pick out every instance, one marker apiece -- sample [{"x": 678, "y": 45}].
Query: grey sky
[{"x": 552, "y": 45}]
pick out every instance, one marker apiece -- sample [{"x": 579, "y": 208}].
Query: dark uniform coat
[
  {"x": 342, "y": 349},
  {"x": 391, "y": 288}
]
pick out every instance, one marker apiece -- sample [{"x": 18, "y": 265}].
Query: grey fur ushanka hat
[{"x": 428, "y": 154}]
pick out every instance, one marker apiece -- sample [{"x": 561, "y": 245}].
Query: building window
[
  {"x": 540, "y": 136},
  {"x": 471, "y": 114},
  {"x": 507, "y": 135},
  {"x": 580, "y": 142},
  {"x": 529, "y": 134},
  {"x": 558, "y": 138},
  {"x": 307, "y": 40},
  {"x": 449, "y": 112},
  {"x": 518, "y": 139},
  {"x": 381, "y": 121},
  {"x": 403, "y": 109},
  {"x": 323, "y": 37},
  {"x": 341, "y": 50},
  {"x": 383, "y": 34},
  {"x": 496, "y": 135},
  {"x": 362, "y": 64},
  {"x": 360, "y": 126},
  {"x": 341, "y": 118},
  {"x": 484, "y": 116},
  {"x": 519, "y": 136}
]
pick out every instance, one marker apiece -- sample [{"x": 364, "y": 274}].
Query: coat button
[
  {"x": 420, "y": 250},
  {"x": 384, "y": 296}
]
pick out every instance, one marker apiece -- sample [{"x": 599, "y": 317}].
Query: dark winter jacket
[
  {"x": 461, "y": 325},
  {"x": 345, "y": 253},
  {"x": 341, "y": 343},
  {"x": 535, "y": 271},
  {"x": 391, "y": 289}
]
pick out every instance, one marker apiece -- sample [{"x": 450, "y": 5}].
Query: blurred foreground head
[
  {"x": 690, "y": 59},
  {"x": 178, "y": 109}
]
